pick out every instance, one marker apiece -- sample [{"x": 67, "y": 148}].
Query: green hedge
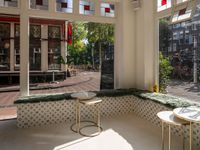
[{"x": 167, "y": 100}]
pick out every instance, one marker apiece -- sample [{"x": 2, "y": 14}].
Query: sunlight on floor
[{"x": 103, "y": 141}]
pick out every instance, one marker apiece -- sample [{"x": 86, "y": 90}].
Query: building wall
[{"x": 44, "y": 43}]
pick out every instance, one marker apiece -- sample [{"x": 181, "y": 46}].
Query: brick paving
[{"x": 85, "y": 81}]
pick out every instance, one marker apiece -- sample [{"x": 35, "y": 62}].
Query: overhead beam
[{"x": 67, "y": 16}]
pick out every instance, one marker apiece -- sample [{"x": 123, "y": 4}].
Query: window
[
  {"x": 64, "y": 6},
  {"x": 163, "y": 4},
  {"x": 181, "y": 15},
  {"x": 39, "y": 4},
  {"x": 175, "y": 36},
  {"x": 54, "y": 47},
  {"x": 4, "y": 46},
  {"x": 197, "y": 11},
  {"x": 86, "y": 7},
  {"x": 194, "y": 26},
  {"x": 17, "y": 48},
  {"x": 174, "y": 47},
  {"x": 107, "y": 10},
  {"x": 35, "y": 47},
  {"x": 9, "y": 3}
]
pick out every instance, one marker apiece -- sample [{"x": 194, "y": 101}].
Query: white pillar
[
  {"x": 76, "y": 7},
  {"x": 125, "y": 45},
  {"x": 64, "y": 47},
  {"x": 146, "y": 46},
  {"x": 44, "y": 48},
  {"x": 63, "y": 54},
  {"x": 52, "y": 5},
  {"x": 12, "y": 49},
  {"x": 24, "y": 49},
  {"x": 97, "y": 8}
]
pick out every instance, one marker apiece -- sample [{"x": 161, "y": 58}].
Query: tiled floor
[
  {"x": 85, "y": 81},
  {"x": 127, "y": 132}
]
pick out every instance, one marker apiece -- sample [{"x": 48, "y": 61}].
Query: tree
[
  {"x": 97, "y": 34},
  {"x": 165, "y": 35},
  {"x": 78, "y": 46},
  {"x": 165, "y": 70},
  {"x": 87, "y": 37}
]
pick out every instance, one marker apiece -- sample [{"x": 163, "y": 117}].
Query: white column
[
  {"x": 24, "y": 49},
  {"x": 44, "y": 48},
  {"x": 146, "y": 46},
  {"x": 64, "y": 48},
  {"x": 52, "y": 5},
  {"x": 125, "y": 46},
  {"x": 76, "y": 6},
  {"x": 12, "y": 49},
  {"x": 97, "y": 8}
]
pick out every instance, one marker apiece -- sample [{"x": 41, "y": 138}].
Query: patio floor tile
[{"x": 127, "y": 132}]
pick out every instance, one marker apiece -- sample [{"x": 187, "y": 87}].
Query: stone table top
[
  {"x": 191, "y": 114},
  {"x": 169, "y": 118},
  {"x": 83, "y": 95}
]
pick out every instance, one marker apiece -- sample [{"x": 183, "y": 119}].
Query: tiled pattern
[
  {"x": 39, "y": 114},
  {"x": 148, "y": 110}
]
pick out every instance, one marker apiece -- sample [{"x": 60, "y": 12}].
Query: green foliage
[
  {"x": 78, "y": 48},
  {"x": 165, "y": 70},
  {"x": 164, "y": 34},
  {"x": 84, "y": 36},
  {"x": 100, "y": 32}
]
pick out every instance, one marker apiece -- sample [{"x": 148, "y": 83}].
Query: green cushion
[{"x": 165, "y": 99}]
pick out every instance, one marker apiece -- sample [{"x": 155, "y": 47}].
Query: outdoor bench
[{"x": 39, "y": 110}]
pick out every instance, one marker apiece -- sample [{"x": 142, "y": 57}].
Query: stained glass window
[
  {"x": 64, "y": 6},
  {"x": 107, "y": 10},
  {"x": 163, "y": 4},
  {"x": 9, "y": 3},
  {"x": 86, "y": 7},
  {"x": 54, "y": 47},
  {"x": 182, "y": 14},
  {"x": 39, "y": 4},
  {"x": 35, "y": 47},
  {"x": 4, "y": 46}
]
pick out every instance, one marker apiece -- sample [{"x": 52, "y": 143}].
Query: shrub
[{"x": 165, "y": 69}]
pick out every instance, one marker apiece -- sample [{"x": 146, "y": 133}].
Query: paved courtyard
[
  {"x": 187, "y": 90},
  {"x": 84, "y": 81}
]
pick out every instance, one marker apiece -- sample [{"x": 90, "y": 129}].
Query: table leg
[
  {"x": 76, "y": 115},
  {"x": 183, "y": 136},
  {"x": 99, "y": 121},
  {"x": 169, "y": 137},
  {"x": 163, "y": 140},
  {"x": 190, "y": 135},
  {"x": 79, "y": 117}
]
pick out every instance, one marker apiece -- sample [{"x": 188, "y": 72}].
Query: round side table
[
  {"x": 190, "y": 114},
  {"x": 92, "y": 102},
  {"x": 81, "y": 96},
  {"x": 167, "y": 117}
]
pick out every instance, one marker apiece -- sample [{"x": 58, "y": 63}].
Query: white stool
[{"x": 169, "y": 118}]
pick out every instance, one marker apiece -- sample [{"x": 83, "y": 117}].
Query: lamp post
[
  {"x": 195, "y": 60},
  {"x": 92, "y": 55}
]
